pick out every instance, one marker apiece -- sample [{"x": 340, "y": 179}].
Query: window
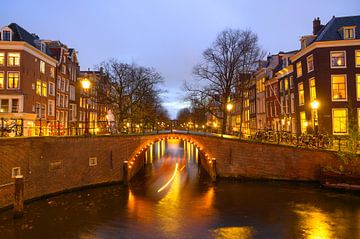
[
  {"x": 42, "y": 67},
  {"x": 312, "y": 89},
  {"x": 358, "y": 118},
  {"x": 52, "y": 72},
  {"x": 51, "y": 88},
  {"x": 59, "y": 83},
  {"x": 339, "y": 121},
  {"x": 15, "y": 172},
  {"x": 4, "y": 105},
  {"x": 292, "y": 100},
  {"x": 61, "y": 101},
  {"x": 291, "y": 82},
  {"x": 2, "y": 81},
  {"x": 63, "y": 69},
  {"x": 51, "y": 108},
  {"x": 2, "y": 58},
  {"x": 358, "y": 87},
  {"x": 6, "y": 36},
  {"x": 338, "y": 59},
  {"x": 38, "y": 110},
  {"x": 38, "y": 87},
  {"x": 310, "y": 63},
  {"x": 357, "y": 58},
  {"x": 286, "y": 84},
  {"x": 66, "y": 101},
  {"x": 44, "y": 89},
  {"x": 298, "y": 69},
  {"x": 338, "y": 87},
  {"x": 43, "y": 110},
  {"x": 67, "y": 85},
  {"x": 281, "y": 86},
  {"x": 57, "y": 99},
  {"x": 72, "y": 93},
  {"x": 13, "y": 59},
  {"x": 301, "y": 93},
  {"x": 63, "y": 85},
  {"x": 303, "y": 122},
  {"x": 349, "y": 32},
  {"x": 13, "y": 80},
  {"x": 15, "y": 106}
]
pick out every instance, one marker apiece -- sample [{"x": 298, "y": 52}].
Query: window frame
[
  {"x": 4, "y": 80},
  {"x": 307, "y": 63},
  {"x": 353, "y": 31},
  {"x": 52, "y": 103},
  {"x": 52, "y": 86},
  {"x": 301, "y": 83},
  {"x": 310, "y": 94},
  {"x": 297, "y": 73},
  {"x": 8, "y": 60},
  {"x": 346, "y": 91},
  {"x": 42, "y": 67},
  {"x": 4, "y": 58},
  {"x": 357, "y": 86},
  {"x": 347, "y": 121},
  {"x": 7, "y": 80},
  {"x": 337, "y": 67},
  {"x": 357, "y": 52}
]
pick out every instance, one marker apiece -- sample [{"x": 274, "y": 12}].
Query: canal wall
[{"x": 55, "y": 164}]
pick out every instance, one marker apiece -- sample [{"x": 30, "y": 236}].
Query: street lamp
[
  {"x": 229, "y": 107},
  {"x": 314, "y": 106},
  {"x": 86, "y": 84}
]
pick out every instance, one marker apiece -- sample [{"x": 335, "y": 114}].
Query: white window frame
[
  {"x": 42, "y": 67},
  {"x": 51, "y": 85},
  {"x": 307, "y": 63},
  {"x": 354, "y": 32},
  {"x": 303, "y": 89},
  {"x": 52, "y": 103},
  {"x": 346, "y": 91},
  {"x": 347, "y": 121},
  {"x": 296, "y": 67},
  {"x": 8, "y": 62},
  {"x": 7, "y": 78},
  {"x": 336, "y": 67}
]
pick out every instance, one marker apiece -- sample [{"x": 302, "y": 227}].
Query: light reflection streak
[{"x": 171, "y": 179}]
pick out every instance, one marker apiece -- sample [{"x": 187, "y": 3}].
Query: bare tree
[
  {"x": 233, "y": 55},
  {"x": 131, "y": 91}
]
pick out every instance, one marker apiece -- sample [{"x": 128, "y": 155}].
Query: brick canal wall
[{"x": 55, "y": 164}]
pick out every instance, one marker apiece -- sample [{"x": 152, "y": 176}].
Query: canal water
[{"x": 174, "y": 198}]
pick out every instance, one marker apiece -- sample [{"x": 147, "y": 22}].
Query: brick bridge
[{"x": 55, "y": 164}]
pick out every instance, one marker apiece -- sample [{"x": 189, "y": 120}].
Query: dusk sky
[{"x": 169, "y": 35}]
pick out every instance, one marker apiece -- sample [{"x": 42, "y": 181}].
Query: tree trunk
[{"x": 224, "y": 122}]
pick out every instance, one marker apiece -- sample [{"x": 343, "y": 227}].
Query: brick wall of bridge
[{"x": 51, "y": 165}]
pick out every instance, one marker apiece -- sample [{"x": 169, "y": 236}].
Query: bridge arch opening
[{"x": 142, "y": 153}]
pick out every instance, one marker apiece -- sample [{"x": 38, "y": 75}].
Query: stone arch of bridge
[{"x": 136, "y": 155}]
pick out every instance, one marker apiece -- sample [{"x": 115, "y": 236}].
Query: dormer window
[
  {"x": 349, "y": 32},
  {"x": 43, "y": 47},
  {"x": 6, "y": 35}
]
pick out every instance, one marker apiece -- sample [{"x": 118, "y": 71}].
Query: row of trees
[
  {"x": 226, "y": 67},
  {"x": 132, "y": 92}
]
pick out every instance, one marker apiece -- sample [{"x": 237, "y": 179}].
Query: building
[
  {"x": 27, "y": 80},
  {"x": 327, "y": 77}
]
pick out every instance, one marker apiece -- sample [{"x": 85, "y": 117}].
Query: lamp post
[
  {"x": 314, "y": 106},
  {"x": 86, "y": 84},
  {"x": 229, "y": 107}
]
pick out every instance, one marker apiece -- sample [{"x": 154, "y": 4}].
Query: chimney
[{"x": 316, "y": 26}]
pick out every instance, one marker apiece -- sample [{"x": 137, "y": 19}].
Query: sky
[{"x": 169, "y": 35}]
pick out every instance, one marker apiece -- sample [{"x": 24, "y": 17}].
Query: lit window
[
  {"x": 286, "y": 84},
  {"x": 44, "y": 89},
  {"x": 13, "y": 80},
  {"x": 281, "y": 85},
  {"x": 42, "y": 67},
  {"x": 298, "y": 69},
  {"x": 338, "y": 59},
  {"x": 52, "y": 72},
  {"x": 2, "y": 80},
  {"x": 303, "y": 122},
  {"x": 312, "y": 89},
  {"x": 301, "y": 93},
  {"x": 310, "y": 63},
  {"x": 339, "y": 121},
  {"x": 38, "y": 87},
  {"x": 13, "y": 59},
  {"x": 2, "y": 58},
  {"x": 358, "y": 87},
  {"x": 357, "y": 58},
  {"x": 4, "y": 105},
  {"x": 349, "y": 32},
  {"x": 338, "y": 87}
]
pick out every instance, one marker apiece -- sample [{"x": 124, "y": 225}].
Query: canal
[{"x": 174, "y": 198}]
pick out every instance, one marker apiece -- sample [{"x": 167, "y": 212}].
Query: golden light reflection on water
[
  {"x": 233, "y": 233},
  {"x": 314, "y": 223}
]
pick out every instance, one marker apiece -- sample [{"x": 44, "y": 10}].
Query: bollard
[
  {"x": 19, "y": 196},
  {"x": 213, "y": 169},
  {"x": 125, "y": 173}
]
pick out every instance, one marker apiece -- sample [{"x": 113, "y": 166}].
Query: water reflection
[{"x": 189, "y": 206}]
